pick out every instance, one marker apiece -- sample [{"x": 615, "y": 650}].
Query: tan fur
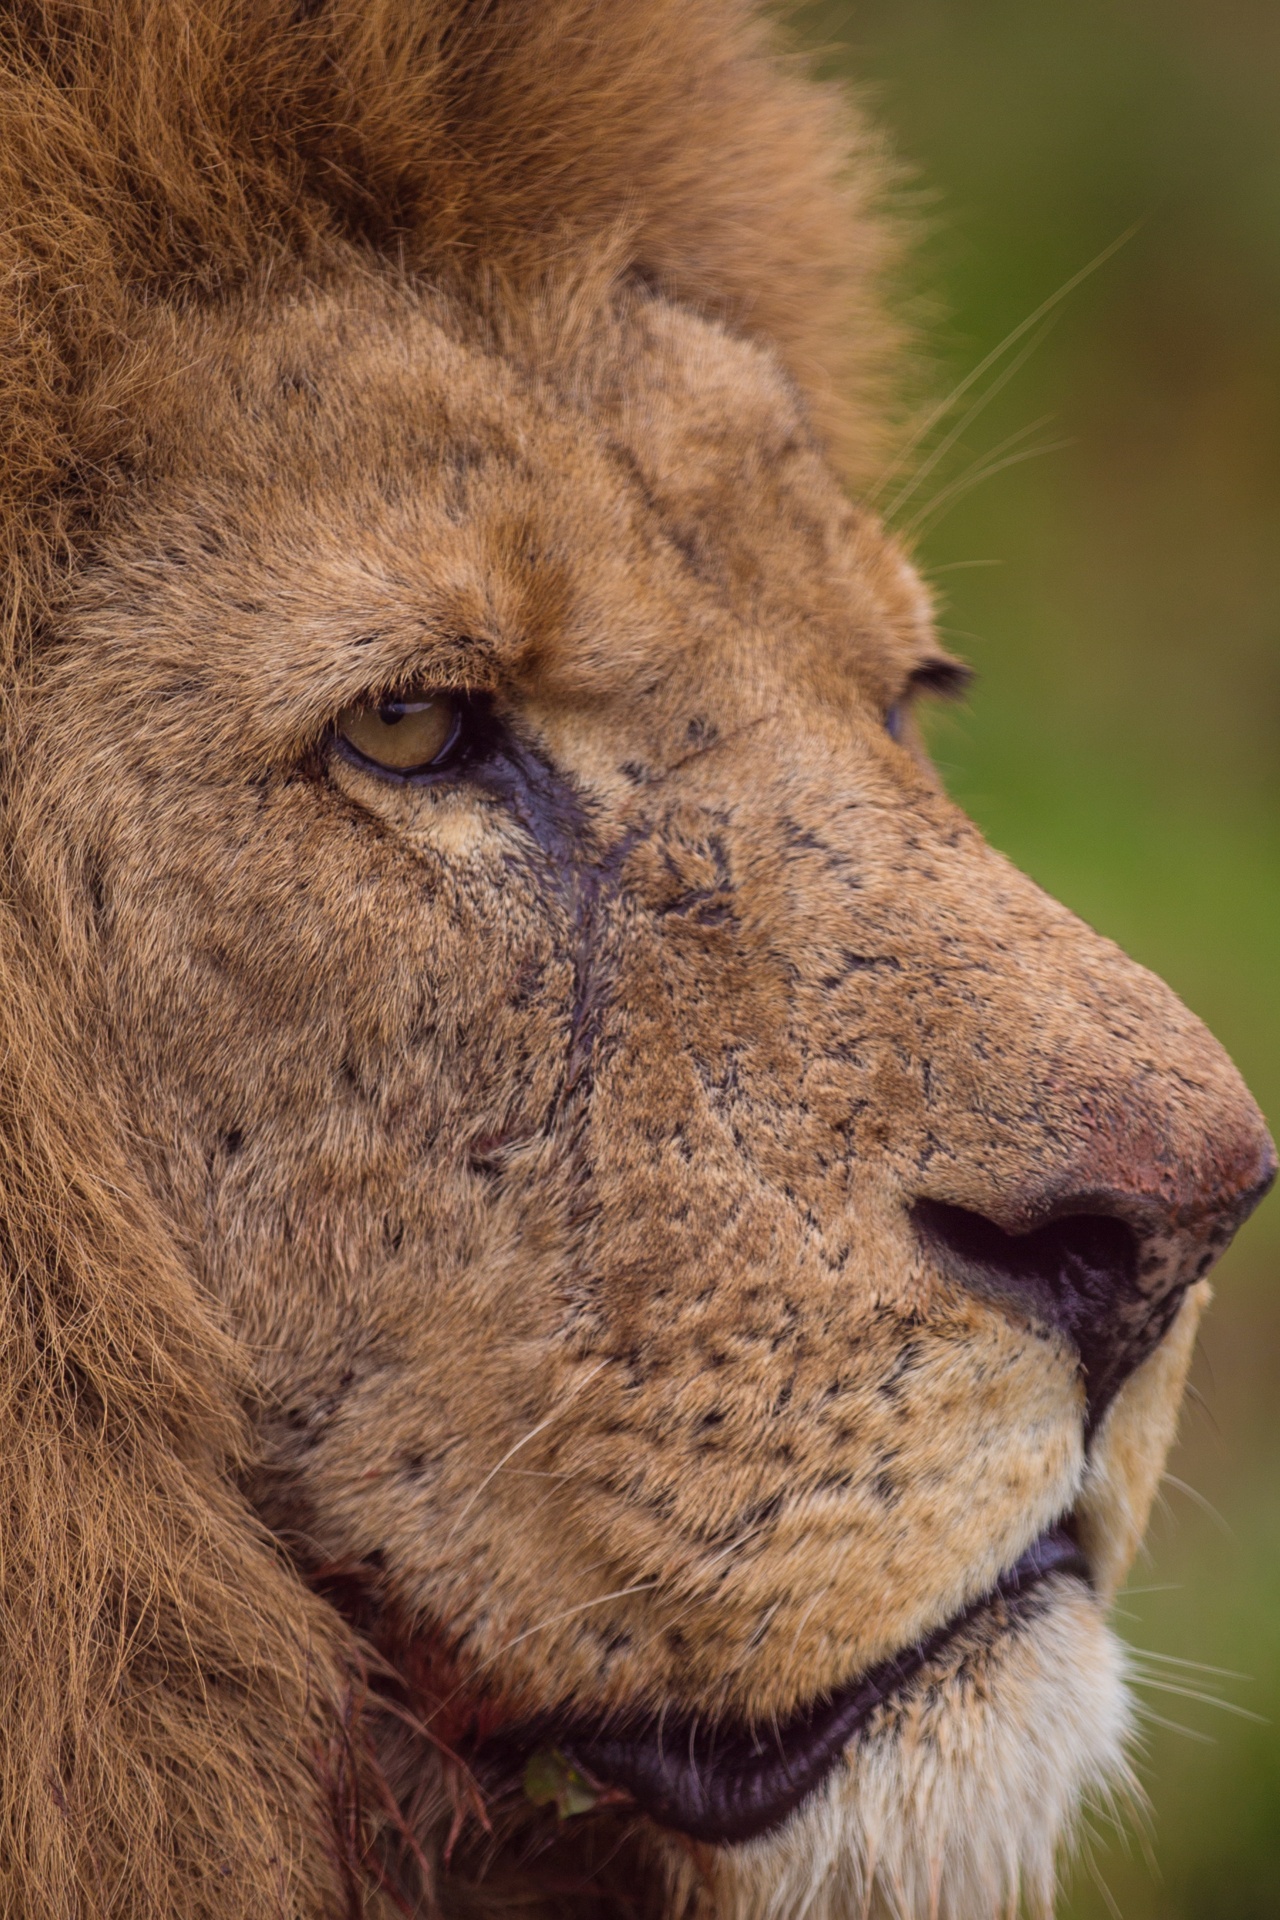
[{"x": 457, "y": 1244}]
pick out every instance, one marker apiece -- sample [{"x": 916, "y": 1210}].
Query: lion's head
[{"x": 598, "y": 1288}]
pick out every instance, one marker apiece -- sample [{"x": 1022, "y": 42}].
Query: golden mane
[
  {"x": 161, "y": 149},
  {"x": 174, "y": 1704}
]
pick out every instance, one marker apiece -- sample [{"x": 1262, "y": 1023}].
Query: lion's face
[{"x": 719, "y": 1247}]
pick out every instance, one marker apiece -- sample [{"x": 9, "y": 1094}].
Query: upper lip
[{"x": 725, "y": 1782}]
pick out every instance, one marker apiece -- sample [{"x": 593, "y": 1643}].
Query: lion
[{"x": 596, "y": 1290}]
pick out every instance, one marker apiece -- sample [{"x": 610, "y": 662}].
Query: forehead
[{"x": 375, "y": 481}]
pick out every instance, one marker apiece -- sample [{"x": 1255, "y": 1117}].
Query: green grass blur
[{"x": 1120, "y": 597}]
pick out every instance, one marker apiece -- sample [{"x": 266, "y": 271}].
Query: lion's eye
[{"x": 402, "y": 736}]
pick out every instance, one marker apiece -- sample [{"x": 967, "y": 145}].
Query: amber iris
[{"x": 401, "y": 736}]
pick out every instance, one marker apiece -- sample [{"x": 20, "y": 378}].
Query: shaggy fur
[
  {"x": 457, "y": 1238},
  {"x": 157, "y": 150}
]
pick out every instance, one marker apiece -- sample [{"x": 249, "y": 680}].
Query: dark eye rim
[
  {"x": 473, "y": 736},
  {"x": 945, "y": 679}
]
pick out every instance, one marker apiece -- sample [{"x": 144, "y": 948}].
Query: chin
[{"x": 958, "y": 1797}]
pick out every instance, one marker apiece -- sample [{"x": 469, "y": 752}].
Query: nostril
[
  {"x": 1078, "y": 1273},
  {"x": 1078, "y": 1262}
]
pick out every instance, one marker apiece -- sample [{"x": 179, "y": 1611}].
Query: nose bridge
[
  {"x": 1148, "y": 1118},
  {"x": 1051, "y": 1065},
  {"x": 1089, "y": 1068}
]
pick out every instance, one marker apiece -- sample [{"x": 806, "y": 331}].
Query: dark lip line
[{"x": 726, "y": 1784}]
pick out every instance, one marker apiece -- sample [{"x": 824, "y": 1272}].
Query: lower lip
[{"x": 727, "y": 1784}]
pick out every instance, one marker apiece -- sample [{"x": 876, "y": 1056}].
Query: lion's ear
[{"x": 169, "y": 1701}]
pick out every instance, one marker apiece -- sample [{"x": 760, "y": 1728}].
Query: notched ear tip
[{"x": 947, "y": 678}]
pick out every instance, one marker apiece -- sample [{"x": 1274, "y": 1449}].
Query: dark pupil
[{"x": 392, "y": 712}]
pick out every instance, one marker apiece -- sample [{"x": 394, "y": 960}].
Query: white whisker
[
  {"x": 996, "y": 354},
  {"x": 1190, "y": 1666},
  {"x": 752, "y": 1533},
  {"x": 584, "y": 1606},
  {"x": 974, "y": 477},
  {"x": 567, "y": 1613},
  {"x": 1206, "y": 1506},
  {"x": 1155, "y": 1719},
  {"x": 965, "y": 421},
  {"x": 1194, "y": 1693},
  {"x": 1109, "y": 1899},
  {"x": 511, "y": 1452}
]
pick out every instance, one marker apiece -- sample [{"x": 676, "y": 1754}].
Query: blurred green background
[{"x": 1120, "y": 597}]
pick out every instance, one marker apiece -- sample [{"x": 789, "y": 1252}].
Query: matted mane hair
[{"x": 176, "y": 1708}]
